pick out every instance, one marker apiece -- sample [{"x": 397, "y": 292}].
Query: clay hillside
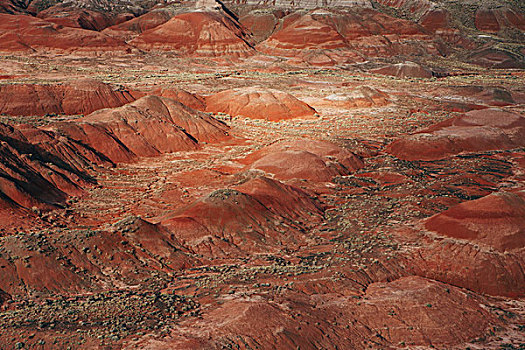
[{"x": 252, "y": 174}]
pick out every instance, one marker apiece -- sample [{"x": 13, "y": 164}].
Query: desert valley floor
[{"x": 253, "y": 175}]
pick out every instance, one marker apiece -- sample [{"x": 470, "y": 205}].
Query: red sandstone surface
[{"x": 246, "y": 174}]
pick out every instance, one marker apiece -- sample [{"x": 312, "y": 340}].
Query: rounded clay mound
[
  {"x": 305, "y": 159},
  {"x": 147, "y": 127},
  {"x": 259, "y": 103},
  {"x": 476, "y": 131}
]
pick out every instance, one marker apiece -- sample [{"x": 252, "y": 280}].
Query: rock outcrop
[{"x": 12, "y": 7}]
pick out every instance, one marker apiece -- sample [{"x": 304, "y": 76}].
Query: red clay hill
[
  {"x": 82, "y": 96},
  {"x": 180, "y": 95},
  {"x": 76, "y": 18},
  {"x": 497, "y": 221},
  {"x": 299, "y": 33},
  {"x": 480, "y": 130},
  {"x": 360, "y": 97},
  {"x": 41, "y": 169},
  {"x": 21, "y": 33},
  {"x": 166, "y": 183},
  {"x": 480, "y": 245},
  {"x": 493, "y": 20},
  {"x": 104, "y": 256},
  {"x": 353, "y": 33},
  {"x": 404, "y": 70},
  {"x": 206, "y": 34},
  {"x": 312, "y": 160},
  {"x": 135, "y": 26},
  {"x": 386, "y": 315},
  {"x": 258, "y": 103},
  {"x": 147, "y": 127},
  {"x": 260, "y": 215}
]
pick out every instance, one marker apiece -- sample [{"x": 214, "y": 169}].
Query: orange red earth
[{"x": 283, "y": 239}]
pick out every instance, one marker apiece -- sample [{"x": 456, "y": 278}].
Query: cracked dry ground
[{"x": 353, "y": 280}]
